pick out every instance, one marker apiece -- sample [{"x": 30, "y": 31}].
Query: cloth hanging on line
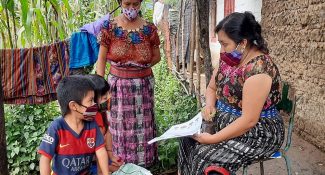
[
  {"x": 94, "y": 27},
  {"x": 31, "y": 75},
  {"x": 84, "y": 50}
]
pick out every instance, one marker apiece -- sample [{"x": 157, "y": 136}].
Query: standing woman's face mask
[{"x": 131, "y": 8}]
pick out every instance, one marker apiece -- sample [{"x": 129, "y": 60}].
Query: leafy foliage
[
  {"x": 172, "y": 106},
  {"x": 25, "y": 126},
  {"x": 34, "y": 23}
]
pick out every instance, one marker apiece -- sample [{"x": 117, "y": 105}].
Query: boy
[
  {"x": 71, "y": 141},
  {"x": 102, "y": 98}
]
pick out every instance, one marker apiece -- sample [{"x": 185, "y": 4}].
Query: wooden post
[
  {"x": 179, "y": 31},
  {"x": 3, "y": 145},
  {"x": 203, "y": 13},
  {"x": 192, "y": 50},
  {"x": 213, "y": 15},
  {"x": 183, "y": 42},
  {"x": 198, "y": 61}
]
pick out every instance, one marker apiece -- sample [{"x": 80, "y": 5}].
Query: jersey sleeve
[
  {"x": 49, "y": 142},
  {"x": 99, "y": 139}
]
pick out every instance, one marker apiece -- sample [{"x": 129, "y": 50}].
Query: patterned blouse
[
  {"x": 126, "y": 46},
  {"x": 230, "y": 81}
]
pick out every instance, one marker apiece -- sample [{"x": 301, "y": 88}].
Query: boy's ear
[{"x": 73, "y": 105}]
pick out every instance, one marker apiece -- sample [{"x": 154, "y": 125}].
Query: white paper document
[{"x": 182, "y": 130}]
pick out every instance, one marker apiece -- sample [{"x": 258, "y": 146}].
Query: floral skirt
[
  {"x": 258, "y": 143},
  {"x": 131, "y": 119}
]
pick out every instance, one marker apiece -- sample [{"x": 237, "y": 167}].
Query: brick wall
[{"x": 295, "y": 32}]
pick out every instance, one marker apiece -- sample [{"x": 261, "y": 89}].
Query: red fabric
[
  {"x": 127, "y": 73},
  {"x": 101, "y": 123},
  {"x": 229, "y": 7},
  {"x": 125, "y": 46},
  {"x": 220, "y": 170}
]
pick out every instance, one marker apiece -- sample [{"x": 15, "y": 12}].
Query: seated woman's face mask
[{"x": 233, "y": 58}]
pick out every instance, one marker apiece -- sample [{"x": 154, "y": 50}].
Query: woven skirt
[
  {"x": 131, "y": 119},
  {"x": 259, "y": 142}
]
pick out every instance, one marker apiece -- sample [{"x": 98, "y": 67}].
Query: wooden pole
[
  {"x": 179, "y": 29},
  {"x": 198, "y": 61},
  {"x": 3, "y": 145},
  {"x": 183, "y": 42},
  {"x": 192, "y": 46},
  {"x": 213, "y": 15},
  {"x": 203, "y": 13}
]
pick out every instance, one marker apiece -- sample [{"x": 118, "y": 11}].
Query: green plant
[
  {"x": 25, "y": 126},
  {"x": 173, "y": 3},
  {"x": 172, "y": 106}
]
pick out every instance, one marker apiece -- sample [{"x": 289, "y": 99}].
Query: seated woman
[{"x": 240, "y": 101}]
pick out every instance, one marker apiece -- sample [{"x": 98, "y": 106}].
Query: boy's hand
[{"x": 116, "y": 161}]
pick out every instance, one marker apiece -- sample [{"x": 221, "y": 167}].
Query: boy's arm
[
  {"x": 47, "y": 149},
  {"x": 109, "y": 147},
  {"x": 109, "y": 144},
  {"x": 45, "y": 165},
  {"x": 102, "y": 159}
]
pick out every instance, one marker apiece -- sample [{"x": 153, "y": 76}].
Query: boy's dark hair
[
  {"x": 72, "y": 88},
  {"x": 101, "y": 86},
  {"x": 239, "y": 26}
]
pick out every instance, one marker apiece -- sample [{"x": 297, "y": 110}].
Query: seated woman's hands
[
  {"x": 204, "y": 138},
  {"x": 208, "y": 112}
]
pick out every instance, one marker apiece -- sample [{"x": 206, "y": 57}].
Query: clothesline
[{"x": 31, "y": 75}]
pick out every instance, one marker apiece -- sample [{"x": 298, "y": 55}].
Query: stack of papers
[{"x": 188, "y": 128}]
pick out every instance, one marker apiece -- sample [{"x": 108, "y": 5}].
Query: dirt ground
[{"x": 306, "y": 159}]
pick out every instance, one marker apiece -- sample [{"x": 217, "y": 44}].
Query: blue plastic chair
[{"x": 287, "y": 105}]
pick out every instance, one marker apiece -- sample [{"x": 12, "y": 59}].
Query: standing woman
[
  {"x": 245, "y": 90},
  {"x": 131, "y": 45}
]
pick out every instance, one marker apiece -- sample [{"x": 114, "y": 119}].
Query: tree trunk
[
  {"x": 203, "y": 8},
  {"x": 3, "y": 145},
  {"x": 192, "y": 45}
]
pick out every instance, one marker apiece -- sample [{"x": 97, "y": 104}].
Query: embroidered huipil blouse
[{"x": 129, "y": 47}]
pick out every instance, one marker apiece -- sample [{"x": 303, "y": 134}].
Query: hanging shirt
[
  {"x": 94, "y": 27},
  {"x": 83, "y": 50},
  {"x": 71, "y": 153}
]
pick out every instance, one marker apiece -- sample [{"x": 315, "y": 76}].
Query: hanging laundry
[
  {"x": 83, "y": 50},
  {"x": 31, "y": 75},
  {"x": 94, "y": 27}
]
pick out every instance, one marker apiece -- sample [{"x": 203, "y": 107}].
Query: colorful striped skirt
[
  {"x": 259, "y": 142},
  {"x": 132, "y": 122}
]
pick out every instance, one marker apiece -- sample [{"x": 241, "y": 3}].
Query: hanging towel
[
  {"x": 31, "y": 75},
  {"x": 83, "y": 50},
  {"x": 94, "y": 27}
]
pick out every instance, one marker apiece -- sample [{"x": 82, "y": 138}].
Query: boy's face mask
[
  {"x": 90, "y": 112},
  {"x": 105, "y": 106}
]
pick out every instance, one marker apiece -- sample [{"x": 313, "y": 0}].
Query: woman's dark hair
[{"x": 239, "y": 26}]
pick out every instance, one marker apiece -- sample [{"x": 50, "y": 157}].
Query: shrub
[
  {"x": 172, "y": 106},
  {"x": 25, "y": 126}
]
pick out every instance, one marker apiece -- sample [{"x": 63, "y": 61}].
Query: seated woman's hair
[{"x": 239, "y": 26}]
